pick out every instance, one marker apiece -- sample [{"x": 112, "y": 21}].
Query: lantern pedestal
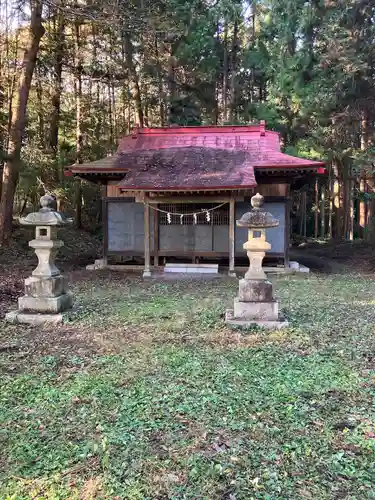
[
  {"x": 262, "y": 313},
  {"x": 46, "y": 290},
  {"x": 255, "y": 304}
]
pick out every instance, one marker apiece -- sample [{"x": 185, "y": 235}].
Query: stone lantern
[
  {"x": 255, "y": 304},
  {"x": 46, "y": 290}
]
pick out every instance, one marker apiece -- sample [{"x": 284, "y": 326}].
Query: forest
[{"x": 77, "y": 75}]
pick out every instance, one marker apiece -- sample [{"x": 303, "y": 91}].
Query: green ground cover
[{"x": 145, "y": 394}]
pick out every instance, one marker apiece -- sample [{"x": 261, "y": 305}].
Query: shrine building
[{"x": 174, "y": 194}]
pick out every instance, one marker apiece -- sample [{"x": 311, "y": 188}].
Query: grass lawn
[{"x": 145, "y": 394}]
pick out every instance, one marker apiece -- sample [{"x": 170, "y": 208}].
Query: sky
[{"x": 13, "y": 14}]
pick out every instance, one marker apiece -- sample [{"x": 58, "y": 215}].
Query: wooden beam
[
  {"x": 147, "y": 269},
  {"x": 191, "y": 253},
  {"x": 232, "y": 230},
  {"x": 193, "y": 199}
]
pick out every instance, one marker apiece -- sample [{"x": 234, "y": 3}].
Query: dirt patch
[
  {"x": 80, "y": 248},
  {"x": 336, "y": 257},
  {"x": 11, "y": 289}
]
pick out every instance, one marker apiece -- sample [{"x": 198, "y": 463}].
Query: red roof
[
  {"x": 196, "y": 158},
  {"x": 186, "y": 168},
  {"x": 262, "y": 145}
]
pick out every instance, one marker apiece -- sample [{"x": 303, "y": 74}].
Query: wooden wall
[{"x": 125, "y": 232}]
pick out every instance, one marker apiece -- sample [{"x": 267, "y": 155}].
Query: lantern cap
[
  {"x": 47, "y": 215},
  {"x": 257, "y": 218}
]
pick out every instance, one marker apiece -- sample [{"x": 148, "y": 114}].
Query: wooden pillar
[
  {"x": 322, "y": 213},
  {"x": 147, "y": 269},
  {"x": 105, "y": 224},
  {"x": 156, "y": 237},
  {"x": 232, "y": 229},
  {"x": 337, "y": 196},
  {"x": 288, "y": 210},
  {"x": 316, "y": 213},
  {"x": 303, "y": 208},
  {"x": 304, "y": 214}
]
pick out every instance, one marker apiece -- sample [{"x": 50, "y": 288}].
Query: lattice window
[{"x": 218, "y": 217}]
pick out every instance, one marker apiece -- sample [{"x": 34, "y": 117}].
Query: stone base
[
  {"x": 46, "y": 287},
  {"x": 255, "y": 291},
  {"x": 297, "y": 267},
  {"x": 33, "y": 319},
  {"x": 277, "y": 324},
  {"x": 192, "y": 268},
  {"x": 257, "y": 311},
  {"x": 46, "y": 305},
  {"x": 98, "y": 264}
]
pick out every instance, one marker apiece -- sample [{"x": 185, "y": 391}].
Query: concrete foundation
[
  {"x": 192, "y": 268},
  {"x": 46, "y": 304},
  {"x": 231, "y": 320},
  {"x": 34, "y": 319},
  {"x": 257, "y": 311},
  {"x": 98, "y": 264}
]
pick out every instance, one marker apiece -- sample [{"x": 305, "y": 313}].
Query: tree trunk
[
  {"x": 18, "y": 122},
  {"x": 133, "y": 77},
  {"x": 322, "y": 213},
  {"x": 233, "y": 79},
  {"x": 316, "y": 212},
  {"x": 160, "y": 85},
  {"x": 362, "y": 182},
  {"x": 337, "y": 208},
  {"x": 171, "y": 83},
  {"x": 362, "y": 208},
  {"x": 110, "y": 117},
  {"x": 330, "y": 206},
  {"x": 78, "y": 96},
  {"x": 56, "y": 90},
  {"x": 351, "y": 210},
  {"x": 215, "y": 107},
  {"x": 40, "y": 109},
  {"x": 12, "y": 74},
  {"x": 252, "y": 77},
  {"x": 225, "y": 75},
  {"x": 346, "y": 204},
  {"x": 303, "y": 206},
  {"x": 24, "y": 204},
  {"x": 115, "y": 121},
  {"x": 337, "y": 197},
  {"x": 97, "y": 103},
  {"x": 145, "y": 106},
  {"x": 370, "y": 188},
  {"x": 3, "y": 86}
]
